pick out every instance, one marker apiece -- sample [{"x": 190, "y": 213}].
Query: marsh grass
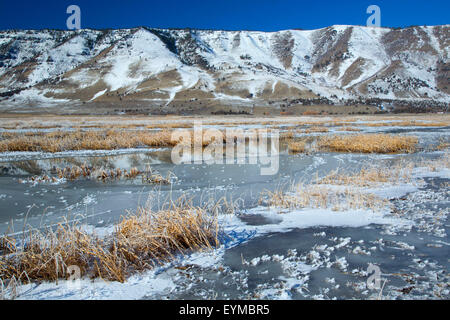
[
  {"x": 104, "y": 175},
  {"x": 47, "y": 121},
  {"x": 314, "y": 129},
  {"x": 58, "y": 141},
  {"x": 354, "y": 143},
  {"x": 139, "y": 242},
  {"x": 344, "y": 191},
  {"x": 349, "y": 129},
  {"x": 341, "y": 191},
  {"x": 113, "y": 139},
  {"x": 369, "y": 176},
  {"x": 287, "y": 135},
  {"x": 443, "y": 145},
  {"x": 7, "y": 245},
  {"x": 368, "y": 143},
  {"x": 322, "y": 197},
  {"x": 298, "y": 146},
  {"x": 404, "y": 123},
  {"x": 443, "y": 162}
]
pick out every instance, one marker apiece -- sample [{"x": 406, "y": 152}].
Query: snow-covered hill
[{"x": 168, "y": 68}]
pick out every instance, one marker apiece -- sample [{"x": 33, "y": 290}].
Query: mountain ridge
[{"x": 179, "y": 68}]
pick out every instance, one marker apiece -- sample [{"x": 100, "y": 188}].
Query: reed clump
[
  {"x": 349, "y": 129},
  {"x": 139, "y": 242},
  {"x": 443, "y": 145},
  {"x": 321, "y": 197},
  {"x": 443, "y": 162},
  {"x": 370, "y": 176},
  {"x": 368, "y": 143},
  {"x": 104, "y": 175},
  {"x": 58, "y": 141},
  {"x": 314, "y": 129},
  {"x": 297, "y": 146},
  {"x": 406, "y": 123}
]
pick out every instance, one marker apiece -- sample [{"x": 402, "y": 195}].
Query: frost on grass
[
  {"x": 139, "y": 242},
  {"x": 58, "y": 141},
  {"x": 101, "y": 174},
  {"x": 369, "y": 143},
  {"x": 364, "y": 189},
  {"x": 323, "y": 197},
  {"x": 353, "y": 143}
]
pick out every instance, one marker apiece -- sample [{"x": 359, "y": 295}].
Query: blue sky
[{"x": 264, "y": 15}]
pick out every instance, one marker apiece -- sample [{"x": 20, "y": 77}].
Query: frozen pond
[{"x": 314, "y": 261}]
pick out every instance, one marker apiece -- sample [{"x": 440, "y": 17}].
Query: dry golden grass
[
  {"x": 40, "y": 179},
  {"x": 37, "y": 121},
  {"x": 368, "y": 143},
  {"x": 7, "y": 245},
  {"x": 151, "y": 177},
  {"x": 104, "y": 175},
  {"x": 321, "y": 197},
  {"x": 443, "y": 145},
  {"x": 297, "y": 146},
  {"x": 434, "y": 165},
  {"x": 58, "y": 141},
  {"x": 406, "y": 123},
  {"x": 139, "y": 242},
  {"x": 287, "y": 135},
  {"x": 83, "y": 140},
  {"x": 349, "y": 196},
  {"x": 370, "y": 176},
  {"x": 341, "y": 122},
  {"x": 352, "y": 129},
  {"x": 75, "y": 172},
  {"x": 173, "y": 125},
  {"x": 159, "y": 125},
  {"x": 315, "y": 129},
  {"x": 111, "y": 136},
  {"x": 363, "y": 178},
  {"x": 311, "y": 113}
]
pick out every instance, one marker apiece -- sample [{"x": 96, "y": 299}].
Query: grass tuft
[
  {"x": 321, "y": 197},
  {"x": 103, "y": 175},
  {"x": 368, "y": 143},
  {"x": 297, "y": 146},
  {"x": 139, "y": 242},
  {"x": 58, "y": 141},
  {"x": 370, "y": 176}
]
